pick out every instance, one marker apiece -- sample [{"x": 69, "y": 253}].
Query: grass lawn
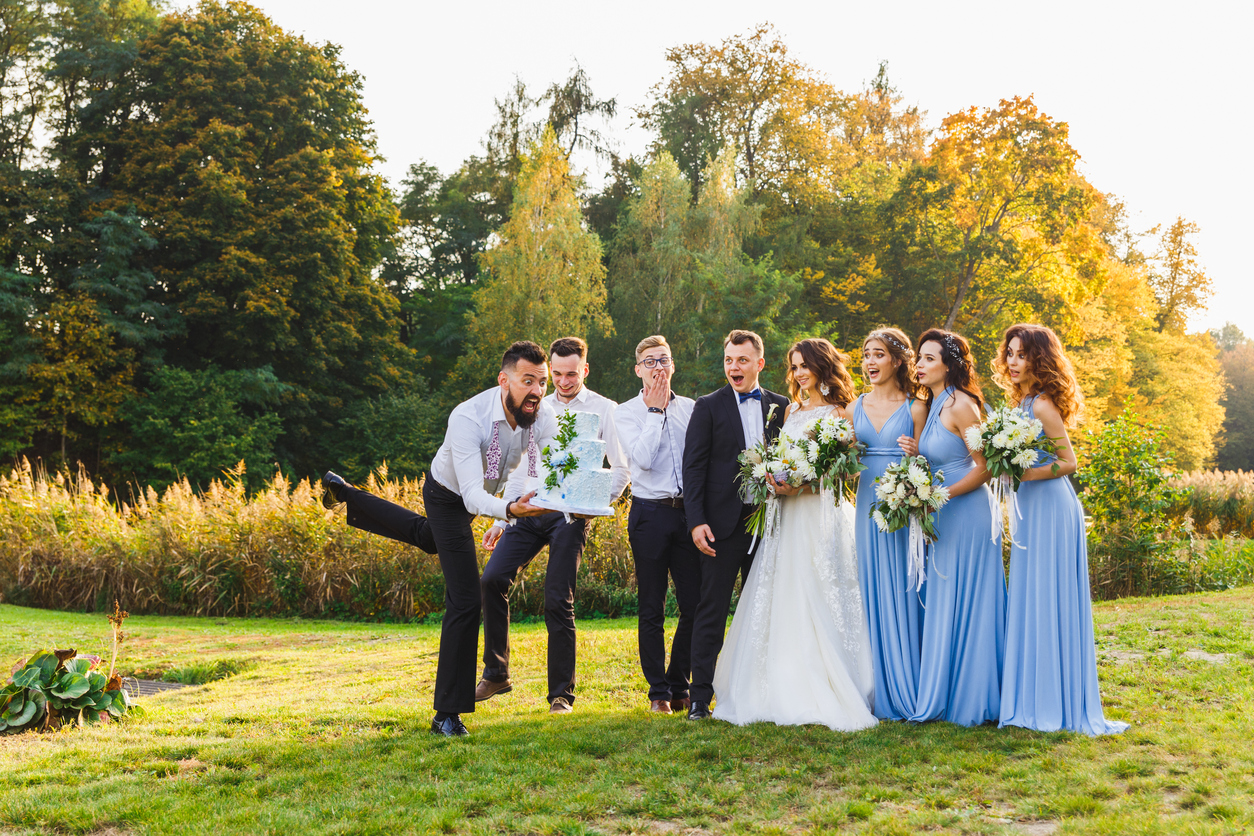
[{"x": 325, "y": 731}]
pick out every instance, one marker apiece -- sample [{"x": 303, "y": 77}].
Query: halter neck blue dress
[
  {"x": 894, "y": 610},
  {"x": 1050, "y": 678},
  {"x": 964, "y": 625}
]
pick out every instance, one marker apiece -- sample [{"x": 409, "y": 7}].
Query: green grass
[{"x": 322, "y": 729}]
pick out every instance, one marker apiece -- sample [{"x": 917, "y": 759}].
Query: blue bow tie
[{"x": 756, "y": 395}]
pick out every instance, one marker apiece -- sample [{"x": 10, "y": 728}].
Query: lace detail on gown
[{"x": 798, "y": 650}]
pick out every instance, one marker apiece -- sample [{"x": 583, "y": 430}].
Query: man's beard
[{"x": 522, "y": 419}]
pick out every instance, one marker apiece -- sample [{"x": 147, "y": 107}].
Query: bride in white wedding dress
[{"x": 798, "y": 651}]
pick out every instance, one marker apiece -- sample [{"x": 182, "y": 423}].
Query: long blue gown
[
  {"x": 964, "y": 625},
  {"x": 1050, "y": 678},
  {"x": 894, "y": 611}
]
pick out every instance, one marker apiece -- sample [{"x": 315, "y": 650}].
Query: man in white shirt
[
  {"x": 492, "y": 445},
  {"x": 514, "y": 546},
  {"x": 651, "y": 428}
]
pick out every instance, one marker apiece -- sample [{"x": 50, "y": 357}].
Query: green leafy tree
[
  {"x": 24, "y": 26},
  {"x": 545, "y": 277},
  {"x": 401, "y": 429},
  {"x": 199, "y": 425},
  {"x": 250, "y": 153},
  {"x": 651, "y": 257},
  {"x": 779, "y": 114},
  {"x": 1127, "y": 492}
]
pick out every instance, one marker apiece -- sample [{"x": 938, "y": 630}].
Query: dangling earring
[{"x": 825, "y": 389}]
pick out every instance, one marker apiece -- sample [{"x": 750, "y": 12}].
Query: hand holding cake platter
[{"x": 572, "y": 479}]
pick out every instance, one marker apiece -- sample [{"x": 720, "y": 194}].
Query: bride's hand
[{"x": 782, "y": 488}]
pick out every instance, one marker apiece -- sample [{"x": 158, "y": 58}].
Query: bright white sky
[{"x": 1157, "y": 94}]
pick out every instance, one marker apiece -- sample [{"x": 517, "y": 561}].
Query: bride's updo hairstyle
[
  {"x": 828, "y": 366},
  {"x": 897, "y": 344},
  {"x": 1051, "y": 370},
  {"x": 960, "y": 370}
]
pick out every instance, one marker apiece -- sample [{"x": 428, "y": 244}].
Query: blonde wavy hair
[{"x": 1051, "y": 370}]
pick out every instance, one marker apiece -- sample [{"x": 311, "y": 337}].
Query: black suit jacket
[{"x": 712, "y": 447}]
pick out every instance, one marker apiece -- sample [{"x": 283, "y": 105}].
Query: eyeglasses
[{"x": 651, "y": 362}]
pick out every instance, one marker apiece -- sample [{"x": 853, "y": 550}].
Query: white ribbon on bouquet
[{"x": 1004, "y": 500}]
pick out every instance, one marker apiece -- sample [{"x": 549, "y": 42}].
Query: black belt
[{"x": 670, "y": 501}]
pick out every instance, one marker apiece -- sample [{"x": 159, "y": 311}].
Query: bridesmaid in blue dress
[
  {"x": 1050, "y": 679},
  {"x": 964, "y": 625},
  {"x": 894, "y": 610}
]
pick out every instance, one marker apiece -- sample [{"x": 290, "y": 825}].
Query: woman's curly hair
[
  {"x": 828, "y": 366},
  {"x": 1052, "y": 372},
  {"x": 960, "y": 370}
]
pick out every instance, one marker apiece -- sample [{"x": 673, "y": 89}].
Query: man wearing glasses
[{"x": 651, "y": 428}]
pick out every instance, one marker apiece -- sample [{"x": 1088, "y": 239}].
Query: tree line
[{"x": 199, "y": 265}]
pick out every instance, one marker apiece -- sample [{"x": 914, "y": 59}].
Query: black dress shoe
[
  {"x": 699, "y": 711},
  {"x": 451, "y": 726},
  {"x": 331, "y": 485}
]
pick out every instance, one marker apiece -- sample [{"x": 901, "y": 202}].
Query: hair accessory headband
[
  {"x": 886, "y": 337},
  {"x": 955, "y": 350}
]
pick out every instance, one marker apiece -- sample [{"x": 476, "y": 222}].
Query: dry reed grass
[
  {"x": 1219, "y": 503},
  {"x": 65, "y": 543}
]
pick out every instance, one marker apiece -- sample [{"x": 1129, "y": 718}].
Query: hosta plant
[{"x": 55, "y": 688}]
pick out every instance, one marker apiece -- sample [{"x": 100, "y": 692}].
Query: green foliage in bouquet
[
  {"x": 1011, "y": 442},
  {"x": 566, "y": 463},
  {"x": 908, "y": 489},
  {"x": 57, "y": 687}
]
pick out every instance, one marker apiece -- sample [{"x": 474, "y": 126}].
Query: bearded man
[{"x": 492, "y": 446}]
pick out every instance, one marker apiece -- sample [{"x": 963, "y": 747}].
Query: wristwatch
[
  {"x": 658, "y": 410},
  {"x": 510, "y": 515}
]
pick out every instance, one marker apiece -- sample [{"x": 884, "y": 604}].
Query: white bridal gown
[{"x": 798, "y": 651}]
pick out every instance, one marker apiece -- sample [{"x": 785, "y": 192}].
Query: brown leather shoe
[
  {"x": 487, "y": 689},
  {"x": 660, "y": 707},
  {"x": 679, "y": 706},
  {"x": 560, "y": 706}
]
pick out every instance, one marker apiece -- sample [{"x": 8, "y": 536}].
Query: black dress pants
[
  {"x": 718, "y": 582},
  {"x": 662, "y": 546},
  {"x": 445, "y": 531},
  {"x": 518, "y": 546}
]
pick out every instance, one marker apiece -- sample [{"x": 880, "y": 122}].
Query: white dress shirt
[
  {"x": 589, "y": 401},
  {"x": 654, "y": 445},
  {"x": 751, "y": 418},
  {"x": 461, "y": 462}
]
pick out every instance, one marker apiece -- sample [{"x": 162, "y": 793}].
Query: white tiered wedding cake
[{"x": 571, "y": 476}]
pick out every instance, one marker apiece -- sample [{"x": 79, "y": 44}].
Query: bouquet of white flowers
[
  {"x": 786, "y": 461},
  {"x": 830, "y": 448},
  {"x": 909, "y": 493},
  {"x": 1011, "y": 443}
]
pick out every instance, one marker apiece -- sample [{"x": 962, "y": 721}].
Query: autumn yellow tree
[
  {"x": 1179, "y": 283},
  {"x": 544, "y": 276},
  {"x": 995, "y": 227}
]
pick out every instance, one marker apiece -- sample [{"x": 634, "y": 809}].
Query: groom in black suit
[{"x": 723, "y": 424}]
